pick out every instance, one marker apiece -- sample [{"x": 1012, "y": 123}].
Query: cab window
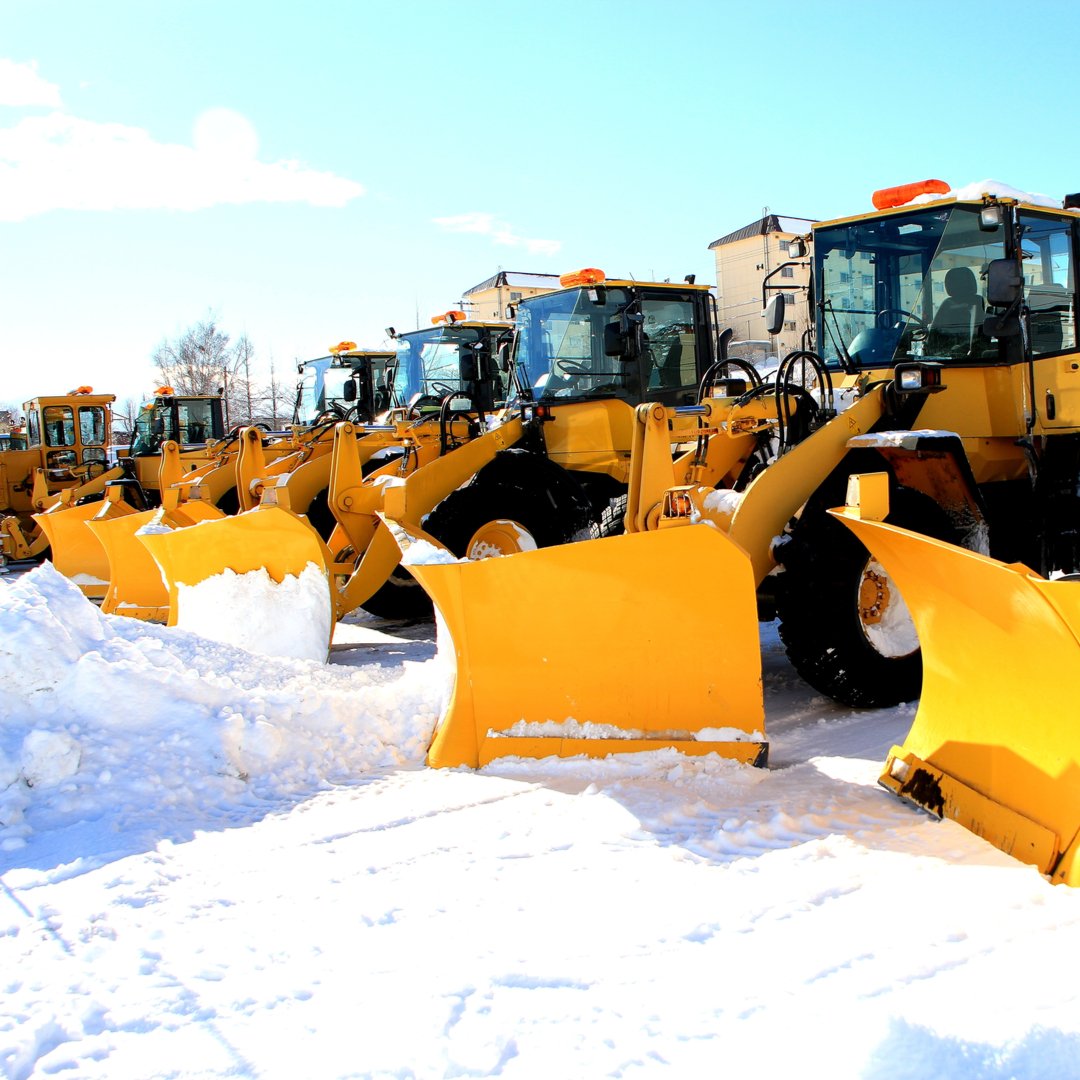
[
  {"x": 1049, "y": 283},
  {"x": 59, "y": 425},
  {"x": 670, "y": 343},
  {"x": 92, "y": 425}
]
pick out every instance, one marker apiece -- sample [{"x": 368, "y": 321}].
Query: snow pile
[
  {"x": 218, "y": 865},
  {"x": 105, "y": 714}
]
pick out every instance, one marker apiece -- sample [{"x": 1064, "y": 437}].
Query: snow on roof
[
  {"x": 991, "y": 187},
  {"x": 516, "y": 278}
]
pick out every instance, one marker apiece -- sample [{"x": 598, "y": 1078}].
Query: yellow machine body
[{"x": 994, "y": 745}]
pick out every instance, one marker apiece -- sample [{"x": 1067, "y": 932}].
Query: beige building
[
  {"x": 487, "y": 301},
  {"x": 744, "y": 258}
]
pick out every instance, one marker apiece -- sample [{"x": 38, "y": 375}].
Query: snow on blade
[{"x": 253, "y": 612}]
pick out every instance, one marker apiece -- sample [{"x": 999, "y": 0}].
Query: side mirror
[
  {"x": 503, "y": 354},
  {"x": 722, "y": 343},
  {"x": 348, "y": 391},
  {"x": 798, "y": 248},
  {"x": 510, "y": 312},
  {"x": 615, "y": 342},
  {"x": 1003, "y": 283},
  {"x": 774, "y": 315}
]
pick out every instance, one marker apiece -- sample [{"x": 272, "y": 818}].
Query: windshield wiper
[{"x": 837, "y": 339}]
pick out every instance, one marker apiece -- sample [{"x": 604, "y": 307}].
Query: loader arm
[
  {"x": 779, "y": 491},
  {"x": 409, "y": 501},
  {"x": 653, "y": 472}
]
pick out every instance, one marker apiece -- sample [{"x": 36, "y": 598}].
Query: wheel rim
[
  {"x": 500, "y": 537},
  {"x": 884, "y": 615}
]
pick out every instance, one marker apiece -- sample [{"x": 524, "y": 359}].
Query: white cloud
[
  {"x": 225, "y": 133},
  {"x": 499, "y": 231},
  {"x": 21, "y": 86},
  {"x": 59, "y": 161}
]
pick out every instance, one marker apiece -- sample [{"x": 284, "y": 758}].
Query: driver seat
[{"x": 961, "y": 312}]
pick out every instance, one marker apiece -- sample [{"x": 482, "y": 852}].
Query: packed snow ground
[{"x": 216, "y": 864}]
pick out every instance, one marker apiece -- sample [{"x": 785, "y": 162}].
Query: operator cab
[
  {"x": 916, "y": 284},
  {"x": 613, "y": 339},
  {"x": 456, "y": 360}
]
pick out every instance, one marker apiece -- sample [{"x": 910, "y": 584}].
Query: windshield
[
  {"x": 431, "y": 361},
  {"x": 905, "y": 287},
  {"x": 560, "y": 343},
  {"x": 581, "y": 343}
]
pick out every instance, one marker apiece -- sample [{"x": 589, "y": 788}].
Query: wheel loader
[
  {"x": 964, "y": 397},
  {"x": 70, "y": 458}
]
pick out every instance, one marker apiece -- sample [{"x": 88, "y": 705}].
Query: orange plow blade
[
  {"x": 74, "y": 549},
  {"x": 995, "y": 744},
  {"x": 587, "y": 649},
  {"x": 136, "y": 588}
]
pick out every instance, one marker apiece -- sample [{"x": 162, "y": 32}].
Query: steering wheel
[
  {"x": 922, "y": 327},
  {"x": 443, "y": 390},
  {"x": 571, "y": 367}
]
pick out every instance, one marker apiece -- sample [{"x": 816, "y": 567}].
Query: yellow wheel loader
[
  {"x": 70, "y": 459},
  {"x": 192, "y": 424},
  {"x": 946, "y": 359},
  {"x": 63, "y": 456}
]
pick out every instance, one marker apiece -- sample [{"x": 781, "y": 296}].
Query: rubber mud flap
[
  {"x": 596, "y": 648},
  {"x": 994, "y": 744}
]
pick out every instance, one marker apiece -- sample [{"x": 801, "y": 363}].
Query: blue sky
[{"x": 316, "y": 172}]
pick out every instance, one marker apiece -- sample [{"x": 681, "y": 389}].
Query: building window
[
  {"x": 789, "y": 326},
  {"x": 787, "y": 271},
  {"x": 789, "y": 298},
  {"x": 515, "y": 297},
  {"x": 783, "y": 242}
]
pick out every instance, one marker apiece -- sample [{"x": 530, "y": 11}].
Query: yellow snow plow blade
[
  {"x": 74, "y": 549},
  {"x": 995, "y": 744},
  {"x": 136, "y": 588},
  {"x": 269, "y": 538},
  {"x": 630, "y": 663}
]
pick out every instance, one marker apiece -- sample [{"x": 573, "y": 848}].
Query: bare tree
[
  {"x": 274, "y": 403},
  {"x": 202, "y": 360},
  {"x": 11, "y": 415}
]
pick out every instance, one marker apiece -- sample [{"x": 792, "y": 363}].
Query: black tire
[
  {"x": 229, "y": 503},
  {"x": 319, "y": 515},
  {"x": 457, "y": 518},
  {"x": 399, "y": 597},
  {"x": 818, "y": 604}
]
